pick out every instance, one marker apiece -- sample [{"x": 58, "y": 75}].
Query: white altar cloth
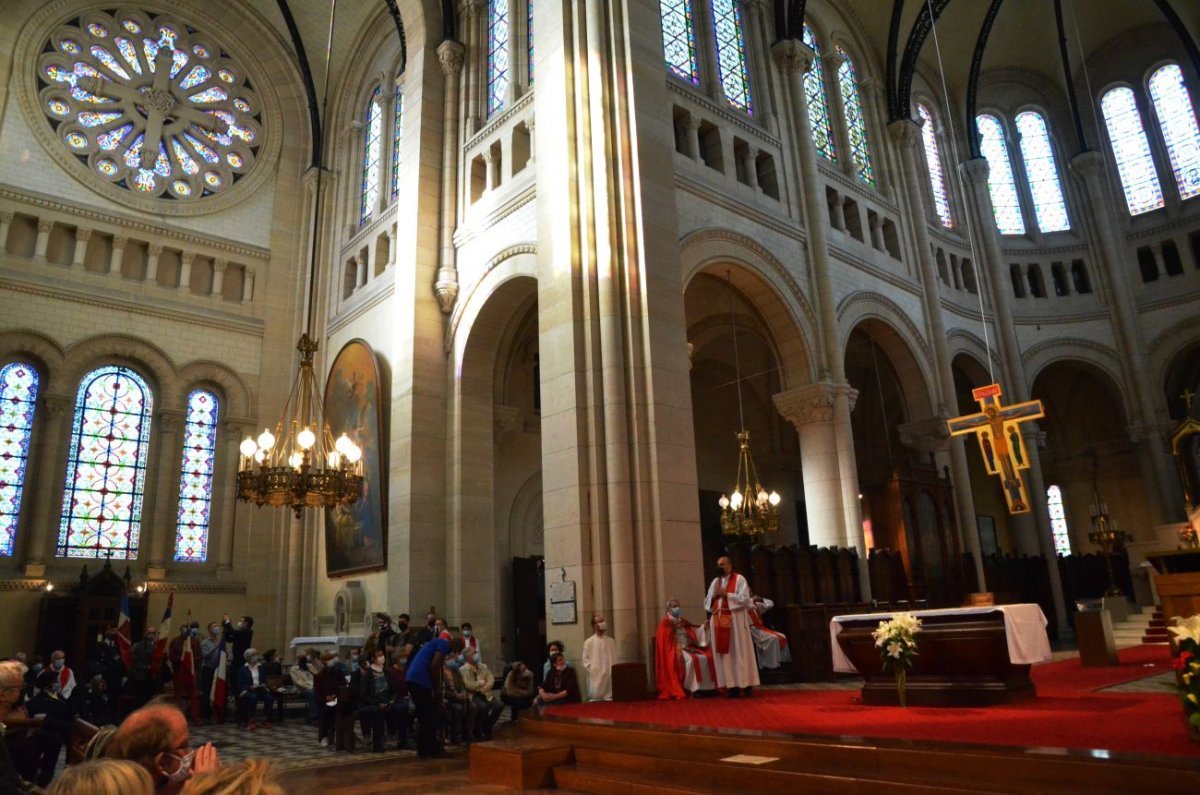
[{"x": 1024, "y": 629}]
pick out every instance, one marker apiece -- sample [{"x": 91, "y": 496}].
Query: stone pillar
[
  {"x": 248, "y": 285},
  {"x": 489, "y": 159},
  {"x": 224, "y": 508},
  {"x": 450, "y": 56},
  {"x": 390, "y": 234},
  {"x": 218, "y": 282},
  {"x": 79, "y": 256},
  {"x": 837, "y": 211},
  {"x": 1115, "y": 286},
  {"x": 185, "y": 270},
  {"x": 161, "y": 505},
  {"x": 750, "y": 168},
  {"x": 153, "y": 252},
  {"x": 360, "y": 270},
  {"x": 832, "y": 60},
  {"x": 5, "y": 224},
  {"x": 44, "y": 492},
  {"x": 44, "y": 227},
  {"x": 515, "y": 58},
  {"x": 1160, "y": 266},
  {"x": 693, "y": 138},
  {"x": 876, "y": 232},
  {"x": 477, "y": 47},
  {"x": 531, "y": 125},
  {"x": 757, "y": 46},
  {"x": 117, "y": 260}
]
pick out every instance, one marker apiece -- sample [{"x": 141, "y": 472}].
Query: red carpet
[{"x": 1067, "y": 713}]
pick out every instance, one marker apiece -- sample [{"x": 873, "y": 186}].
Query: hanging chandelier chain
[{"x": 737, "y": 362}]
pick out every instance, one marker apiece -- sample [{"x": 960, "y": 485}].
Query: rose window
[{"x": 150, "y": 104}]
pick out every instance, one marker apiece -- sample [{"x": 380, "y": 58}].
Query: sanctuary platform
[{"x": 1075, "y": 736}]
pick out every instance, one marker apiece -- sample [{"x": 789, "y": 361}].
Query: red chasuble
[{"x": 722, "y": 617}]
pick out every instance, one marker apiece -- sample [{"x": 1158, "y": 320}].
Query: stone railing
[{"x": 497, "y": 161}]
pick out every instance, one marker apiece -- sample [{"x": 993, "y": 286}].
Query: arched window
[
  {"x": 933, "y": 161},
  {"x": 731, "y": 54},
  {"x": 1135, "y": 166},
  {"x": 1058, "y": 521},
  {"x": 1177, "y": 120},
  {"x": 529, "y": 41},
  {"x": 1003, "y": 188},
  {"x": 679, "y": 38},
  {"x": 18, "y": 399},
  {"x": 196, "y": 478},
  {"x": 818, "y": 108},
  {"x": 856, "y": 123},
  {"x": 106, "y": 468},
  {"x": 497, "y": 61},
  {"x": 397, "y": 131},
  {"x": 372, "y": 150},
  {"x": 1042, "y": 173}
]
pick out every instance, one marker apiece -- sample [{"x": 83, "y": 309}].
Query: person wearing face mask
[
  {"x": 184, "y": 654},
  {"x": 28, "y": 752},
  {"x": 429, "y": 631},
  {"x": 480, "y": 683},
  {"x": 156, "y": 738},
  {"x": 56, "y": 712},
  {"x": 470, "y": 641},
  {"x": 728, "y": 601},
  {"x": 66, "y": 677},
  {"x": 252, "y": 690},
  {"x": 552, "y": 648},
  {"x": 105, "y": 659},
  {"x": 142, "y": 682},
  {"x": 303, "y": 675},
  {"x": 210, "y": 658},
  {"x": 425, "y": 683},
  {"x": 377, "y": 701},
  {"x": 406, "y": 639},
  {"x": 326, "y": 682},
  {"x": 599, "y": 652},
  {"x": 683, "y": 663},
  {"x": 240, "y": 636},
  {"x": 561, "y": 686},
  {"x": 518, "y": 690}
]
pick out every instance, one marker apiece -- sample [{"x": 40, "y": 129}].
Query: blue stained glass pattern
[
  {"x": 1001, "y": 185},
  {"x": 106, "y": 468},
  {"x": 195, "y": 77},
  {"x": 1177, "y": 120},
  {"x": 818, "y": 108},
  {"x": 91, "y": 118},
  {"x": 856, "y": 122},
  {"x": 498, "y": 54},
  {"x": 933, "y": 161},
  {"x": 1135, "y": 165},
  {"x": 18, "y": 400},
  {"x": 214, "y": 94},
  {"x": 1042, "y": 173},
  {"x": 1058, "y": 521},
  {"x": 205, "y": 152},
  {"x": 679, "y": 38},
  {"x": 732, "y": 66},
  {"x": 112, "y": 139},
  {"x": 529, "y": 39},
  {"x": 129, "y": 53},
  {"x": 103, "y": 56},
  {"x": 372, "y": 149},
  {"x": 196, "y": 478},
  {"x": 397, "y": 133}
]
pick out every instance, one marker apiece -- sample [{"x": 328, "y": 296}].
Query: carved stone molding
[
  {"x": 793, "y": 55},
  {"x": 812, "y": 403},
  {"x": 926, "y": 436},
  {"x": 906, "y": 133},
  {"x": 450, "y": 55}
]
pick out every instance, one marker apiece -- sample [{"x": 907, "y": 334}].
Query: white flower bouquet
[{"x": 897, "y": 644}]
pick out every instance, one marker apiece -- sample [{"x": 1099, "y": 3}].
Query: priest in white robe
[
  {"x": 772, "y": 646},
  {"x": 728, "y": 601},
  {"x": 599, "y": 652}
]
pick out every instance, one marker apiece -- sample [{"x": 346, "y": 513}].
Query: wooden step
[{"x": 615, "y": 781}]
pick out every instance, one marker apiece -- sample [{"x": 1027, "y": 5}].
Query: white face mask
[
  {"x": 675, "y": 611},
  {"x": 185, "y": 768},
  {"x": 602, "y": 626}
]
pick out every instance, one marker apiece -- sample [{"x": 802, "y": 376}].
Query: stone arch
[
  {"x": 967, "y": 343},
  {"x": 525, "y": 524},
  {"x": 1044, "y": 354},
  {"x": 46, "y": 355},
  {"x": 902, "y": 342},
  {"x": 227, "y": 384},
  {"x": 149, "y": 359},
  {"x": 1168, "y": 344},
  {"x": 516, "y": 260}
]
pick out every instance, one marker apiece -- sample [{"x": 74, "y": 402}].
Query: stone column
[
  {"x": 837, "y": 211},
  {"x": 693, "y": 138},
  {"x": 5, "y": 224},
  {"x": 117, "y": 259},
  {"x": 759, "y": 59},
  {"x": 248, "y": 285},
  {"x": 224, "y": 508},
  {"x": 44, "y": 227},
  {"x": 153, "y": 252},
  {"x": 907, "y": 135},
  {"x": 531, "y": 125},
  {"x": 876, "y": 232},
  {"x": 489, "y": 160},
  {"x": 185, "y": 270},
  {"x": 1160, "y": 266},
  {"x": 1113, "y": 283},
  {"x": 450, "y": 56},
  {"x": 360, "y": 270},
  {"x": 44, "y": 493},
  {"x": 832, "y": 60},
  {"x": 218, "y": 282},
  {"x": 477, "y": 47},
  {"x": 82, "y": 236},
  {"x": 750, "y": 168},
  {"x": 161, "y": 505}
]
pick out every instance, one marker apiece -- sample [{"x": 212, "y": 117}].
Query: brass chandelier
[
  {"x": 300, "y": 465},
  {"x": 749, "y": 512}
]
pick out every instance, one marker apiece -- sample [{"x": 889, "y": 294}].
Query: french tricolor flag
[{"x": 164, "y": 637}]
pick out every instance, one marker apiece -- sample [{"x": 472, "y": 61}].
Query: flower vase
[{"x": 901, "y": 678}]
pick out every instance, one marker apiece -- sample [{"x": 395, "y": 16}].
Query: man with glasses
[
  {"x": 12, "y": 681},
  {"x": 156, "y": 737}
]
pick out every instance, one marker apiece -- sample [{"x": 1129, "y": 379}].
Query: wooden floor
[{"x": 393, "y": 776}]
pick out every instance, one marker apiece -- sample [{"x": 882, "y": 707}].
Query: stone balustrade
[{"x": 497, "y": 160}]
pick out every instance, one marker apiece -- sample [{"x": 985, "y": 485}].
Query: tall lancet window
[
  {"x": 818, "y": 108},
  {"x": 372, "y": 151},
  {"x": 856, "y": 122},
  {"x": 732, "y": 65},
  {"x": 196, "y": 478},
  {"x": 933, "y": 162},
  {"x": 397, "y": 132},
  {"x": 679, "y": 38},
  {"x": 498, "y": 55},
  {"x": 1135, "y": 165},
  {"x": 1177, "y": 120},
  {"x": 529, "y": 41},
  {"x": 106, "y": 468},
  {"x": 18, "y": 399},
  {"x": 1058, "y": 521},
  {"x": 1001, "y": 186},
  {"x": 1042, "y": 172}
]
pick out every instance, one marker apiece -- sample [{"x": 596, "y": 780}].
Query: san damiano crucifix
[{"x": 997, "y": 429}]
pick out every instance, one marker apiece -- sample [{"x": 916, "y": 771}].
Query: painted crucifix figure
[{"x": 997, "y": 429}]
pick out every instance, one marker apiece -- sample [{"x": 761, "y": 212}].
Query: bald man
[{"x": 156, "y": 737}]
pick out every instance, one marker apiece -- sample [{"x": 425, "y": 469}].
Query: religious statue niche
[
  {"x": 1185, "y": 447},
  {"x": 998, "y": 431},
  {"x": 356, "y": 534}
]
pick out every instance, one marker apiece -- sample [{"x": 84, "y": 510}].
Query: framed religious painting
[{"x": 356, "y": 534}]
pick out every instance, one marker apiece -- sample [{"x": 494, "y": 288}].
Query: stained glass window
[
  {"x": 1001, "y": 186},
  {"x": 18, "y": 397},
  {"x": 199, "y": 125},
  {"x": 933, "y": 161},
  {"x": 1135, "y": 165},
  {"x": 856, "y": 123},
  {"x": 397, "y": 130},
  {"x": 732, "y": 66},
  {"x": 529, "y": 39},
  {"x": 372, "y": 149},
  {"x": 497, "y": 62},
  {"x": 1042, "y": 173},
  {"x": 106, "y": 469},
  {"x": 679, "y": 38},
  {"x": 1058, "y": 521},
  {"x": 818, "y": 108},
  {"x": 1177, "y": 119},
  {"x": 196, "y": 478}
]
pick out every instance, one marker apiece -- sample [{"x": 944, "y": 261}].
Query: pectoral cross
[
  {"x": 997, "y": 429},
  {"x": 1187, "y": 396}
]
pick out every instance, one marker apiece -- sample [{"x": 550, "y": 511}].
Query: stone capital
[
  {"x": 793, "y": 55},
  {"x": 926, "y": 436},
  {"x": 155, "y": 249},
  {"x": 187, "y": 257},
  {"x": 234, "y": 430},
  {"x": 812, "y": 403},
  {"x": 57, "y": 405},
  {"x": 450, "y": 55},
  {"x": 44, "y": 225},
  {"x": 83, "y": 233},
  {"x": 834, "y": 59},
  {"x": 119, "y": 243},
  {"x": 1088, "y": 164},
  {"x": 975, "y": 171},
  {"x": 220, "y": 265},
  {"x": 905, "y": 132},
  {"x": 169, "y": 420},
  {"x": 446, "y": 290},
  {"x": 6, "y": 216}
]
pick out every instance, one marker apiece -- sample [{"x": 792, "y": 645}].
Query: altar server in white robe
[
  {"x": 772, "y": 646},
  {"x": 728, "y": 601},
  {"x": 599, "y": 652}
]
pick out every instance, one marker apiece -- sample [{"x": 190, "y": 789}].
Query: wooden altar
[{"x": 1177, "y": 580}]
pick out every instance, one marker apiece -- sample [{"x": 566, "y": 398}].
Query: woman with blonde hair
[
  {"x": 251, "y": 777},
  {"x": 103, "y": 777}
]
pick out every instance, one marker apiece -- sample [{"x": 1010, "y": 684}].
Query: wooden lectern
[{"x": 1177, "y": 580}]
